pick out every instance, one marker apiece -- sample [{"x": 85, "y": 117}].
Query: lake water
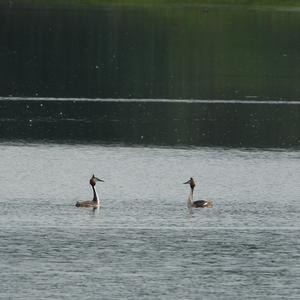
[
  {"x": 163, "y": 122},
  {"x": 144, "y": 243},
  {"x": 144, "y": 97},
  {"x": 182, "y": 51}
]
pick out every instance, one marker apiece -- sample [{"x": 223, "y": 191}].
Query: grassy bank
[{"x": 80, "y": 3}]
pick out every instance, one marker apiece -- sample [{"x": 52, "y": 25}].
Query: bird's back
[
  {"x": 94, "y": 204},
  {"x": 203, "y": 203}
]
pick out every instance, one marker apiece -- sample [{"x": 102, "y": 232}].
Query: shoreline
[{"x": 147, "y": 3}]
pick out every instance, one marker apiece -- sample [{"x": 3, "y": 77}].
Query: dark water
[
  {"x": 157, "y": 122},
  {"x": 144, "y": 243},
  {"x": 153, "y": 51}
]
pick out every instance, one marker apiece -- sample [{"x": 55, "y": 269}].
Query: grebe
[
  {"x": 95, "y": 203},
  {"x": 198, "y": 203}
]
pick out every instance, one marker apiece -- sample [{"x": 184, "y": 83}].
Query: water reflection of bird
[
  {"x": 197, "y": 203},
  {"x": 95, "y": 203}
]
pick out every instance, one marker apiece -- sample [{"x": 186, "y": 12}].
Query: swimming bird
[
  {"x": 95, "y": 203},
  {"x": 197, "y": 203}
]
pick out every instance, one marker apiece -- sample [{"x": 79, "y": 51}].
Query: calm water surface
[
  {"x": 144, "y": 243},
  {"x": 149, "y": 51},
  {"x": 163, "y": 122}
]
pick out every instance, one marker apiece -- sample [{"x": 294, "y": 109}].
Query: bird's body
[
  {"x": 197, "y": 203},
  {"x": 95, "y": 203},
  {"x": 202, "y": 203}
]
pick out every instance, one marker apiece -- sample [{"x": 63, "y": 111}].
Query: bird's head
[
  {"x": 191, "y": 182},
  {"x": 94, "y": 179}
]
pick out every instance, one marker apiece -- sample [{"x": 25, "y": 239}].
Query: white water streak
[{"x": 187, "y": 101}]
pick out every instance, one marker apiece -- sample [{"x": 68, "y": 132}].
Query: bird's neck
[
  {"x": 190, "y": 198},
  {"x": 95, "y": 198}
]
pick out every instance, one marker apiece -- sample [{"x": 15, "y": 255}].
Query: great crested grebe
[
  {"x": 95, "y": 203},
  {"x": 198, "y": 203}
]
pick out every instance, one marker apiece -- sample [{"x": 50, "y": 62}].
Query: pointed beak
[
  {"x": 189, "y": 181},
  {"x": 97, "y": 179}
]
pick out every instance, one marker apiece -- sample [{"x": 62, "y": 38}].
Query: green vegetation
[{"x": 82, "y": 3}]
